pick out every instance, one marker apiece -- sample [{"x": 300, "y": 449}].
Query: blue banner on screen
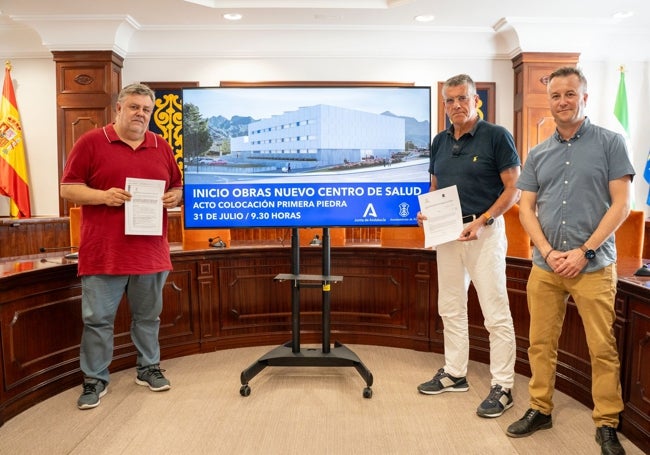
[
  {"x": 303, "y": 205},
  {"x": 305, "y": 156}
]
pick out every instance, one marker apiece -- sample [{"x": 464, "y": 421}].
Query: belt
[{"x": 470, "y": 218}]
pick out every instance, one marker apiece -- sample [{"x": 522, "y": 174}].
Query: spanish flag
[{"x": 13, "y": 170}]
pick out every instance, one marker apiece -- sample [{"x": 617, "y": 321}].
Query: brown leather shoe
[
  {"x": 608, "y": 441},
  {"x": 532, "y": 421}
]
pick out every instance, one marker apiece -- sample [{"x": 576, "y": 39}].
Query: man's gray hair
[
  {"x": 460, "y": 79},
  {"x": 136, "y": 89}
]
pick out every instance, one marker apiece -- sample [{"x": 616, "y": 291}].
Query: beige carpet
[{"x": 294, "y": 410}]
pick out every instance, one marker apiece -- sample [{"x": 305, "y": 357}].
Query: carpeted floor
[{"x": 294, "y": 410}]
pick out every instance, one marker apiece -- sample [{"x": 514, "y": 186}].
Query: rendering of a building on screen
[{"x": 320, "y": 135}]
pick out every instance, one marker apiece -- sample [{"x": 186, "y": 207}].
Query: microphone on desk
[
  {"x": 216, "y": 242},
  {"x": 71, "y": 255},
  {"x": 644, "y": 270},
  {"x": 57, "y": 248}
]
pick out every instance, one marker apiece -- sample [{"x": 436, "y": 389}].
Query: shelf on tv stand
[{"x": 297, "y": 279}]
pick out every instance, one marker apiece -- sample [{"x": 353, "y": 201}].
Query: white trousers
[{"x": 481, "y": 262}]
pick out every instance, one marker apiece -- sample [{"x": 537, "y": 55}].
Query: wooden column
[
  {"x": 533, "y": 121},
  {"x": 87, "y": 84}
]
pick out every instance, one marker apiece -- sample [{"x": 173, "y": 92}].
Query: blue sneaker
[
  {"x": 497, "y": 402},
  {"x": 443, "y": 382}
]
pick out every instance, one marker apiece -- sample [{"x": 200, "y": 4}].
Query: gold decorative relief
[{"x": 168, "y": 118}]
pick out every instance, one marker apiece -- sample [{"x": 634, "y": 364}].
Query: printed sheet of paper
[
  {"x": 444, "y": 221},
  {"x": 144, "y": 212}
]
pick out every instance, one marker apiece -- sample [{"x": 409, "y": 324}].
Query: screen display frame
[{"x": 364, "y": 184}]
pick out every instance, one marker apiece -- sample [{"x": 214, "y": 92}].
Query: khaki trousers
[{"x": 594, "y": 295}]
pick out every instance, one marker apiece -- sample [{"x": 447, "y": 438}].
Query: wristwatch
[
  {"x": 488, "y": 219},
  {"x": 589, "y": 254}
]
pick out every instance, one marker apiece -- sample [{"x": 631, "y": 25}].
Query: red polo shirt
[{"x": 101, "y": 160}]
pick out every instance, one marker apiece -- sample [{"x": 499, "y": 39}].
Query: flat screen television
[{"x": 344, "y": 156}]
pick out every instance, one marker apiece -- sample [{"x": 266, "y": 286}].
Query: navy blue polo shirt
[{"x": 473, "y": 163}]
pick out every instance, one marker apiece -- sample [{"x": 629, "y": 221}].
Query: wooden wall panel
[
  {"x": 638, "y": 381},
  {"x": 40, "y": 333},
  {"x": 374, "y": 297},
  {"x": 80, "y": 121},
  {"x": 635, "y": 375},
  {"x": 646, "y": 240},
  {"x": 87, "y": 84},
  {"x": 25, "y": 237},
  {"x": 533, "y": 121},
  {"x": 27, "y": 353},
  {"x": 227, "y": 298}
]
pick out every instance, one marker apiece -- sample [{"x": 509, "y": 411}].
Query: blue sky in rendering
[{"x": 259, "y": 102}]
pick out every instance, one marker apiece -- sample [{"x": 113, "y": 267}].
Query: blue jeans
[{"x": 101, "y": 296}]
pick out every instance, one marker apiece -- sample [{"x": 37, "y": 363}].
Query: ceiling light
[
  {"x": 424, "y": 18},
  {"x": 232, "y": 16}
]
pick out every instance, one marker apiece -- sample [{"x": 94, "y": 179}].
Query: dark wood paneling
[
  {"x": 375, "y": 297},
  {"x": 533, "y": 120},
  {"x": 635, "y": 332},
  {"x": 25, "y": 237},
  {"x": 261, "y": 236},
  {"x": 646, "y": 241},
  {"x": 227, "y": 298},
  {"x": 87, "y": 84},
  {"x": 174, "y": 227},
  {"x": 40, "y": 332},
  {"x": 40, "y": 327}
]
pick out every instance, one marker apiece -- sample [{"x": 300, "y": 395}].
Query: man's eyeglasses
[{"x": 461, "y": 100}]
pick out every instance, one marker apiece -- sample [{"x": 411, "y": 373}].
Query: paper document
[
  {"x": 144, "y": 212},
  {"x": 444, "y": 221}
]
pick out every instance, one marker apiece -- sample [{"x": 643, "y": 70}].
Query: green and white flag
[{"x": 620, "y": 108}]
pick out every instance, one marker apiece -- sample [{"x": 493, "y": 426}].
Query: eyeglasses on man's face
[
  {"x": 462, "y": 99},
  {"x": 135, "y": 108}
]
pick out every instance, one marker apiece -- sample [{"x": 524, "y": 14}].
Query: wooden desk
[{"x": 227, "y": 298}]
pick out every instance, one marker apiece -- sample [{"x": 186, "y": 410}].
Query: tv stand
[{"x": 290, "y": 353}]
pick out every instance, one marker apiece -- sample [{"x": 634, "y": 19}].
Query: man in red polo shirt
[{"x": 111, "y": 263}]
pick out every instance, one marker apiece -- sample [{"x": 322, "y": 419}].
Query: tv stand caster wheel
[
  {"x": 367, "y": 392},
  {"x": 245, "y": 390}
]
